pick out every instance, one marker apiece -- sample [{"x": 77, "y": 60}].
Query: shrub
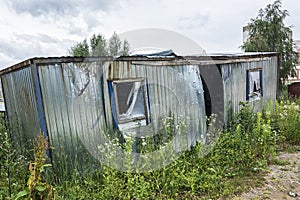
[{"x": 285, "y": 119}]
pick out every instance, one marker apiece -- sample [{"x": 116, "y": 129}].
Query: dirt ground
[{"x": 282, "y": 181}]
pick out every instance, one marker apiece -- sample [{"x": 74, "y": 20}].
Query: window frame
[
  {"x": 114, "y": 100},
  {"x": 260, "y": 70}
]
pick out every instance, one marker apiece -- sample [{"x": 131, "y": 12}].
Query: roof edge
[
  {"x": 48, "y": 60},
  {"x": 211, "y": 57}
]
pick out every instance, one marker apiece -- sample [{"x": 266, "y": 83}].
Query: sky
[{"x": 35, "y": 28}]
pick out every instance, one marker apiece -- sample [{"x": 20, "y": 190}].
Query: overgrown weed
[{"x": 235, "y": 163}]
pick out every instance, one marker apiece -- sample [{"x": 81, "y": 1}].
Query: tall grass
[
  {"x": 233, "y": 164},
  {"x": 13, "y": 166}
]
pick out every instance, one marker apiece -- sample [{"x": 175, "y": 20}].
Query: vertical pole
[
  {"x": 278, "y": 75},
  {"x": 40, "y": 107},
  {"x": 113, "y": 104},
  {"x": 247, "y": 85},
  {"x": 261, "y": 85}
]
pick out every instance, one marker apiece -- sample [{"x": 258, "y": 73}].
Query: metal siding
[
  {"x": 78, "y": 110},
  {"x": 21, "y": 104},
  {"x": 172, "y": 89},
  {"x": 235, "y": 78},
  {"x": 73, "y": 106}
]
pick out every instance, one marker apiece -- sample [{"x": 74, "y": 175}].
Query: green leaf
[
  {"x": 21, "y": 194},
  {"x": 40, "y": 188},
  {"x": 47, "y": 165}
]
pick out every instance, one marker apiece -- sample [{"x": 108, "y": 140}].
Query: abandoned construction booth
[{"x": 82, "y": 103}]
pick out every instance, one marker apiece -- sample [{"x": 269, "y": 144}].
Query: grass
[
  {"x": 276, "y": 161},
  {"x": 235, "y": 164}
]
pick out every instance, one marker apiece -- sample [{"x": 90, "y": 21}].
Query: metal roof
[{"x": 169, "y": 56}]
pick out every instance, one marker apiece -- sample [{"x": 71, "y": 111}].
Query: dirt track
[{"x": 282, "y": 182}]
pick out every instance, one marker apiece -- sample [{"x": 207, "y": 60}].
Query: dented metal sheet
[
  {"x": 74, "y": 108},
  {"x": 78, "y": 108}
]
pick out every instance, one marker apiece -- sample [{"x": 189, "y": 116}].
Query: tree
[
  {"x": 114, "y": 45},
  {"x": 267, "y": 33},
  {"x": 125, "y": 48},
  {"x": 80, "y": 49},
  {"x": 98, "y": 45}
]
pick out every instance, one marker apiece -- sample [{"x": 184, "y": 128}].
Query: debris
[{"x": 292, "y": 194}]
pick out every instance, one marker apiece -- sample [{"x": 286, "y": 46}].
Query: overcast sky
[{"x": 35, "y": 28}]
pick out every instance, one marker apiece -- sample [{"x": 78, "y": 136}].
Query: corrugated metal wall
[
  {"x": 74, "y": 111},
  {"x": 172, "y": 89},
  {"x": 234, "y": 77},
  {"x": 21, "y": 106},
  {"x": 77, "y": 105},
  {"x": 78, "y": 109}
]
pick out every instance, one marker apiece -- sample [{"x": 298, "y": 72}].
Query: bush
[{"x": 285, "y": 120}]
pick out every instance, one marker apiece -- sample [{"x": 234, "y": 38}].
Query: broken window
[
  {"x": 130, "y": 102},
  {"x": 254, "y": 84}
]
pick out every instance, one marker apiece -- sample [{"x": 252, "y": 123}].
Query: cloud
[
  {"x": 77, "y": 17},
  {"x": 38, "y": 8},
  {"x": 192, "y": 22},
  {"x": 12, "y": 48},
  {"x": 5, "y": 61},
  {"x": 30, "y": 28},
  {"x": 92, "y": 21},
  {"x": 23, "y": 46},
  {"x": 161, "y": 39},
  {"x": 76, "y": 30},
  {"x": 47, "y": 38},
  {"x": 103, "y": 5}
]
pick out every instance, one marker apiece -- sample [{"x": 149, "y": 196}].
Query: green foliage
[
  {"x": 80, "y": 49},
  {"x": 115, "y": 45},
  {"x": 268, "y": 33},
  {"x": 36, "y": 187},
  {"x": 125, "y": 48},
  {"x": 99, "y": 46},
  {"x": 285, "y": 120},
  {"x": 12, "y": 166},
  {"x": 231, "y": 166},
  {"x": 240, "y": 152}
]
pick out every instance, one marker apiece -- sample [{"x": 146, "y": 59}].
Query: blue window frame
[
  {"x": 129, "y": 102},
  {"x": 254, "y": 84}
]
